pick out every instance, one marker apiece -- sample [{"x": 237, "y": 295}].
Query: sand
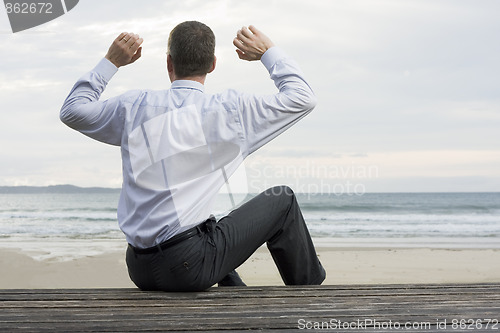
[{"x": 343, "y": 265}]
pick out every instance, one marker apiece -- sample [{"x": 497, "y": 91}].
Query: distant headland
[{"x": 55, "y": 189}]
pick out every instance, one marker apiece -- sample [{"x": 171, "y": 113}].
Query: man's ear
[
  {"x": 170, "y": 64},
  {"x": 213, "y": 65}
]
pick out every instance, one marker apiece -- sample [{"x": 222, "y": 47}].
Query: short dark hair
[{"x": 191, "y": 45}]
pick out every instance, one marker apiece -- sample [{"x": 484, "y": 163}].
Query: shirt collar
[{"x": 188, "y": 84}]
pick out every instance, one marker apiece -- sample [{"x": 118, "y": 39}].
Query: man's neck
[{"x": 200, "y": 79}]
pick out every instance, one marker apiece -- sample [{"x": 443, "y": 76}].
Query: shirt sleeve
[
  {"x": 82, "y": 110},
  {"x": 265, "y": 117}
]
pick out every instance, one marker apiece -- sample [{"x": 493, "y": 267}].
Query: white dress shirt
[{"x": 178, "y": 145}]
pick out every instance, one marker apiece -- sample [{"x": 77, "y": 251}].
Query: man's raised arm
[
  {"x": 82, "y": 109},
  {"x": 265, "y": 117}
]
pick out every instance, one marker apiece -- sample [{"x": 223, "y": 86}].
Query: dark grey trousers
[{"x": 272, "y": 217}]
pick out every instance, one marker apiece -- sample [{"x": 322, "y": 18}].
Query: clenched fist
[{"x": 126, "y": 49}]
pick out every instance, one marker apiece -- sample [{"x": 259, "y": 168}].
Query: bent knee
[{"x": 280, "y": 191}]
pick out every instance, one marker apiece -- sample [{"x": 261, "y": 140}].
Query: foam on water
[{"x": 65, "y": 220}]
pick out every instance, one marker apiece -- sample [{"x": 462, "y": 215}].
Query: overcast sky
[{"x": 408, "y": 91}]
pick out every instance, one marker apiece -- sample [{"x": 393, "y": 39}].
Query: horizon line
[{"x": 236, "y": 193}]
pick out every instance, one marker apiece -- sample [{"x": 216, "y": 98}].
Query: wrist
[
  {"x": 110, "y": 59},
  {"x": 106, "y": 69},
  {"x": 271, "y": 56}
]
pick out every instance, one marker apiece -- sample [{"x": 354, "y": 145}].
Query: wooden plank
[
  {"x": 234, "y": 299},
  {"x": 282, "y": 292},
  {"x": 234, "y": 309}
]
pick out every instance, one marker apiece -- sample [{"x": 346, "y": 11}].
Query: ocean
[{"x": 68, "y": 225}]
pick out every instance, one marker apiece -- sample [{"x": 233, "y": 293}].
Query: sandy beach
[
  {"x": 58, "y": 240},
  {"x": 344, "y": 265}
]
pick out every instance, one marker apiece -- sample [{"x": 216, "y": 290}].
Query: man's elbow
[
  {"x": 68, "y": 115},
  {"x": 306, "y": 102},
  {"x": 65, "y": 115},
  {"x": 312, "y": 101}
]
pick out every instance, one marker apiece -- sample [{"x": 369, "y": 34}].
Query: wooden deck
[{"x": 430, "y": 308}]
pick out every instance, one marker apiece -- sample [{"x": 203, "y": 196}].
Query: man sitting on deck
[{"x": 179, "y": 146}]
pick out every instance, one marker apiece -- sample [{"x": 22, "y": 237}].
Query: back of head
[{"x": 191, "y": 46}]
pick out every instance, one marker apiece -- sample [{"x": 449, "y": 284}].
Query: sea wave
[{"x": 372, "y": 215}]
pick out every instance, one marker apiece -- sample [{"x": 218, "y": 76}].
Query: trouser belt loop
[{"x": 158, "y": 246}]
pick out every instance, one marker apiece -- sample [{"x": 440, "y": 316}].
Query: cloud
[{"x": 397, "y": 81}]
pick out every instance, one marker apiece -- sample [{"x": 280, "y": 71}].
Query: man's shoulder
[
  {"x": 228, "y": 97},
  {"x": 229, "y": 93},
  {"x": 143, "y": 96}
]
